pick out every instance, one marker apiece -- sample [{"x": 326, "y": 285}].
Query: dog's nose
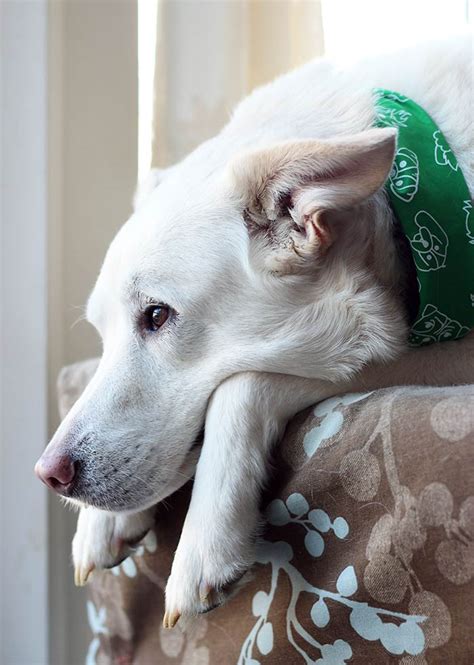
[{"x": 57, "y": 471}]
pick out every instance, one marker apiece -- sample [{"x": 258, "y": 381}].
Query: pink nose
[{"x": 56, "y": 471}]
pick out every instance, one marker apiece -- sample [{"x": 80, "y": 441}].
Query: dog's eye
[{"x": 156, "y": 316}]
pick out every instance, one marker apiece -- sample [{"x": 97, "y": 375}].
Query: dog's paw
[
  {"x": 103, "y": 540},
  {"x": 204, "y": 576}
]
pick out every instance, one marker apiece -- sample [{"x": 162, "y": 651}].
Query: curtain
[{"x": 210, "y": 54}]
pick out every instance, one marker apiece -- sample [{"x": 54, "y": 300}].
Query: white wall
[
  {"x": 69, "y": 161},
  {"x": 23, "y": 533},
  {"x": 92, "y": 57}
]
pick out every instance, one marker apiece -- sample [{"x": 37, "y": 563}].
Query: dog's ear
[
  {"x": 295, "y": 183},
  {"x": 147, "y": 185}
]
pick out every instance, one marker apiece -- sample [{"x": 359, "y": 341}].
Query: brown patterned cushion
[{"x": 368, "y": 556}]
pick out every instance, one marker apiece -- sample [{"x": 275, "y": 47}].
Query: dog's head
[{"x": 260, "y": 264}]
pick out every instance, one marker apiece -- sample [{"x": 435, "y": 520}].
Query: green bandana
[{"x": 430, "y": 197}]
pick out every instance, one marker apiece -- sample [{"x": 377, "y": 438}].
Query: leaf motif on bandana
[
  {"x": 381, "y": 93},
  {"x": 429, "y": 244},
  {"x": 434, "y": 326},
  {"x": 443, "y": 154},
  {"x": 390, "y": 94},
  {"x": 392, "y": 117},
  {"x": 403, "y": 180},
  {"x": 467, "y": 208}
]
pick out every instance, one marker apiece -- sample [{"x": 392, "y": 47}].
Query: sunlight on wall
[
  {"x": 147, "y": 17},
  {"x": 354, "y": 29}
]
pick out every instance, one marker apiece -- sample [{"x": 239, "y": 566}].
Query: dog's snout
[{"x": 57, "y": 471}]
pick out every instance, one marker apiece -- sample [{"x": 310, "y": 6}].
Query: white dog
[{"x": 259, "y": 276}]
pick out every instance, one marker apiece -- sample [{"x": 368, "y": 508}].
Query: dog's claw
[
  {"x": 116, "y": 546},
  {"x": 82, "y": 573},
  {"x": 204, "y": 591},
  {"x": 171, "y": 619}
]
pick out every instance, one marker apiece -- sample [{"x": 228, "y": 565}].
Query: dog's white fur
[{"x": 274, "y": 244}]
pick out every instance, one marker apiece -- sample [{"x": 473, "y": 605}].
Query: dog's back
[{"x": 324, "y": 99}]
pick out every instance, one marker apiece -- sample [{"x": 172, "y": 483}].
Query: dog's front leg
[
  {"x": 103, "y": 539},
  {"x": 246, "y": 415}
]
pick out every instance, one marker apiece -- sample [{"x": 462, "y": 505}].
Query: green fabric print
[
  {"x": 467, "y": 209},
  {"x": 405, "y": 174},
  {"x": 390, "y": 94},
  {"x": 392, "y": 118},
  {"x": 430, "y": 197},
  {"x": 430, "y": 244},
  {"x": 444, "y": 156},
  {"x": 434, "y": 326}
]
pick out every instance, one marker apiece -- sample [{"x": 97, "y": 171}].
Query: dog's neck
[
  {"x": 376, "y": 254},
  {"x": 376, "y": 245},
  {"x": 392, "y": 258}
]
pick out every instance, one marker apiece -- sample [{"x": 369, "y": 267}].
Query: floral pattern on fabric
[{"x": 368, "y": 556}]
